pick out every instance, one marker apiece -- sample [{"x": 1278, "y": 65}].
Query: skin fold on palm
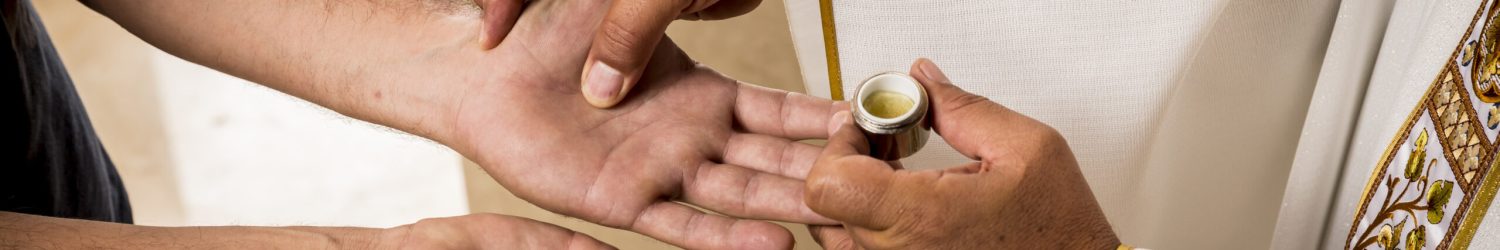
[{"x": 686, "y": 133}]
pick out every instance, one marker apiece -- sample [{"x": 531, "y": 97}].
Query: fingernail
[
  {"x": 603, "y": 82},
  {"x": 930, "y": 70}
]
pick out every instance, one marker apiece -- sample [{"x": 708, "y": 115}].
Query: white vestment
[
  {"x": 1394, "y": 57},
  {"x": 1199, "y": 124},
  {"x": 1184, "y": 115}
]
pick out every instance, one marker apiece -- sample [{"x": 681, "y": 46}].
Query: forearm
[
  {"x": 385, "y": 61},
  {"x": 31, "y": 231}
]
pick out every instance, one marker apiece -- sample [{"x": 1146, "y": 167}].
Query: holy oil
[{"x": 887, "y": 104}]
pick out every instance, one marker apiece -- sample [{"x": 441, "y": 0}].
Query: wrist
[
  {"x": 438, "y": 86},
  {"x": 424, "y": 93}
]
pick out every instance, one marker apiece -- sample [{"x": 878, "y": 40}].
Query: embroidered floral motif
[
  {"x": 1412, "y": 196},
  {"x": 1387, "y": 237},
  {"x": 1433, "y": 179},
  {"x": 1437, "y": 199},
  {"x": 1417, "y": 238}
]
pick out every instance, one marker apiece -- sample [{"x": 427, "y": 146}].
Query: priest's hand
[
  {"x": 1023, "y": 192},
  {"x": 624, "y": 42}
]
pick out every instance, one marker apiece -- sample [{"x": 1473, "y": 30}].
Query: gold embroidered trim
[
  {"x": 1476, "y": 213},
  {"x": 1463, "y": 142}
]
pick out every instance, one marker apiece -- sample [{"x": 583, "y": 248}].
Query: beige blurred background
[{"x": 197, "y": 147}]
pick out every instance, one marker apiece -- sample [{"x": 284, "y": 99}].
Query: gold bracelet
[{"x": 1123, "y": 246}]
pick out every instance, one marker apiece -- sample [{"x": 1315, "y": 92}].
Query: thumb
[
  {"x": 970, "y": 123},
  {"x": 623, "y": 45},
  {"x": 845, "y": 184}
]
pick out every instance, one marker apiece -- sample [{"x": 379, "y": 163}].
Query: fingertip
[
  {"x": 845, "y": 137},
  {"x": 484, "y": 37},
  {"x": 916, "y": 69},
  {"x": 497, "y": 18},
  {"x": 916, "y": 66},
  {"x": 761, "y": 235},
  {"x": 837, "y": 121},
  {"x": 583, "y": 241},
  {"x": 937, "y": 84},
  {"x": 928, "y": 70},
  {"x": 489, "y": 34},
  {"x": 943, "y": 94}
]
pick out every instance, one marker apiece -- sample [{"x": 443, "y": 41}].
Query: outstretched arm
[
  {"x": 21, "y": 230},
  {"x": 477, "y": 231},
  {"x": 371, "y": 59}
]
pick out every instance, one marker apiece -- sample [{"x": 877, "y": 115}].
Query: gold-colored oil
[{"x": 886, "y": 104}]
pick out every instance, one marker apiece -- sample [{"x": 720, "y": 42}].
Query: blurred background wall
[{"x": 198, "y": 147}]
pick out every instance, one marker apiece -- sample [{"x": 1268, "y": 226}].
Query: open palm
[{"x": 686, "y": 133}]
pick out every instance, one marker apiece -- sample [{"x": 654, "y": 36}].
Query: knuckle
[
  {"x": 751, "y": 191},
  {"x": 1048, "y": 135},
  {"x": 1046, "y": 147},
  {"x": 1051, "y": 139}
]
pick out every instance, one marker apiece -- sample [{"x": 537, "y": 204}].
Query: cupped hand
[
  {"x": 488, "y": 231},
  {"x": 1024, "y": 192},
  {"x": 691, "y": 136}
]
